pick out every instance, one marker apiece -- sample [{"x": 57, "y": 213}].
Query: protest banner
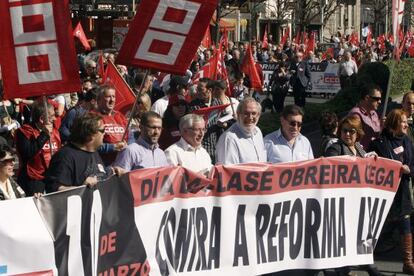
[
  {"x": 249, "y": 219},
  {"x": 324, "y": 78},
  {"x": 165, "y": 35},
  {"x": 38, "y": 54}
]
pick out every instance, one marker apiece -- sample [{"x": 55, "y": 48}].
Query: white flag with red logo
[
  {"x": 165, "y": 34},
  {"x": 37, "y": 46},
  {"x": 397, "y": 15}
]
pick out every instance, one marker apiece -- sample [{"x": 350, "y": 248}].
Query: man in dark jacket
[
  {"x": 36, "y": 143},
  {"x": 300, "y": 78}
]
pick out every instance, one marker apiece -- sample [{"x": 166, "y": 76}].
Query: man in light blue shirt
[
  {"x": 144, "y": 153},
  {"x": 243, "y": 141},
  {"x": 287, "y": 144}
]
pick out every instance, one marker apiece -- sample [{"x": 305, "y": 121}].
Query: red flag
[
  {"x": 225, "y": 39},
  {"x": 285, "y": 36},
  {"x": 305, "y": 38},
  {"x": 249, "y": 68},
  {"x": 381, "y": 42},
  {"x": 101, "y": 66},
  {"x": 265, "y": 44},
  {"x": 297, "y": 38},
  {"x": 125, "y": 98},
  {"x": 80, "y": 34},
  {"x": 311, "y": 43},
  {"x": 165, "y": 35},
  {"x": 210, "y": 113},
  {"x": 410, "y": 49},
  {"x": 37, "y": 49},
  {"x": 353, "y": 39},
  {"x": 369, "y": 36},
  {"x": 206, "y": 42},
  {"x": 207, "y": 70},
  {"x": 328, "y": 53}
]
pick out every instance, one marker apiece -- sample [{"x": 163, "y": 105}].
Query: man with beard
[
  {"x": 243, "y": 141},
  {"x": 145, "y": 152},
  {"x": 287, "y": 144},
  {"x": 188, "y": 152}
]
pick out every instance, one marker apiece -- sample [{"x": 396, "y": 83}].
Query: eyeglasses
[
  {"x": 351, "y": 131},
  {"x": 154, "y": 127},
  {"x": 197, "y": 130},
  {"x": 375, "y": 98},
  {"x": 295, "y": 123},
  {"x": 101, "y": 130}
]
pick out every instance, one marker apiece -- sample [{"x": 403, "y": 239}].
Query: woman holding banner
[
  {"x": 395, "y": 144},
  {"x": 350, "y": 132}
]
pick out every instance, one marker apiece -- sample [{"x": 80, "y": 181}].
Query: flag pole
[
  {"x": 47, "y": 120},
  {"x": 134, "y": 107},
  {"x": 396, "y": 52}
]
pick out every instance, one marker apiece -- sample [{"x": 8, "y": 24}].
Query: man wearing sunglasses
[
  {"x": 287, "y": 144},
  {"x": 366, "y": 109}
]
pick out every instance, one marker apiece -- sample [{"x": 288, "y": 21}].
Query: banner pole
[
  {"x": 135, "y": 105},
  {"x": 47, "y": 120},
  {"x": 387, "y": 94}
]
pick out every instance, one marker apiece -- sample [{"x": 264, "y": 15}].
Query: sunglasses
[
  {"x": 295, "y": 123},
  {"x": 351, "y": 131},
  {"x": 377, "y": 99},
  {"x": 101, "y": 130},
  {"x": 8, "y": 160}
]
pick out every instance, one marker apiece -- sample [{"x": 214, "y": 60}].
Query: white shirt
[
  {"x": 160, "y": 106},
  {"x": 7, "y": 190},
  {"x": 235, "y": 146},
  {"x": 278, "y": 150},
  {"x": 183, "y": 154}
]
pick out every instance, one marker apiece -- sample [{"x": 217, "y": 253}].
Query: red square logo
[
  {"x": 38, "y": 63},
  {"x": 174, "y": 15},
  {"x": 33, "y": 23},
  {"x": 160, "y": 47}
]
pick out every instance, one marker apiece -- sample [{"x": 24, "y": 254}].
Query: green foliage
[
  {"x": 374, "y": 72},
  {"x": 402, "y": 78}
]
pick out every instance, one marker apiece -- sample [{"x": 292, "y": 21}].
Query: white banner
[{"x": 249, "y": 219}]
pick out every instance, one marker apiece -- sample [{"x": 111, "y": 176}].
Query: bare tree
[{"x": 310, "y": 10}]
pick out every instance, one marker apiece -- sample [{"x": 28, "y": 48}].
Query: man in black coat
[{"x": 300, "y": 78}]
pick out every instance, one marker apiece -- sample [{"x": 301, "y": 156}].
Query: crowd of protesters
[{"x": 80, "y": 139}]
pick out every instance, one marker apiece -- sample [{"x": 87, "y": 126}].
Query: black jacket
[
  {"x": 387, "y": 146},
  {"x": 16, "y": 189}
]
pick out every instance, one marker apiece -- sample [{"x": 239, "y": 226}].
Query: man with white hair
[
  {"x": 243, "y": 141},
  {"x": 188, "y": 152}
]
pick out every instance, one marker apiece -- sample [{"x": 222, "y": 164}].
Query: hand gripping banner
[
  {"x": 38, "y": 55},
  {"x": 248, "y": 219},
  {"x": 165, "y": 34}
]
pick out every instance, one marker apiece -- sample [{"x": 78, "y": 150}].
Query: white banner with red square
[
  {"x": 165, "y": 34},
  {"x": 38, "y": 53}
]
